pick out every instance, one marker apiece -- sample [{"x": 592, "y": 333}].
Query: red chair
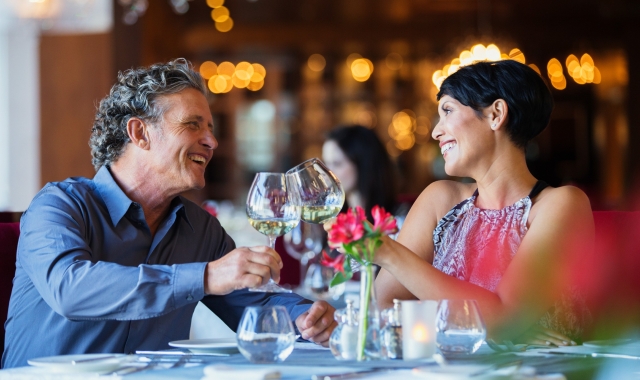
[
  {"x": 612, "y": 273},
  {"x": 9, "y": 233}
]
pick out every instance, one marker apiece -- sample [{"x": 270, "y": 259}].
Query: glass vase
[{"x": 369, "y": 317}]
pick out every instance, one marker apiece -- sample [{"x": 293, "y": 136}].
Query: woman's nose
[{"x": 437, "y": 131}]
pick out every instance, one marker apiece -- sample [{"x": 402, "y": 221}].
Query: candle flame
[{"x": 420, "y": 333}]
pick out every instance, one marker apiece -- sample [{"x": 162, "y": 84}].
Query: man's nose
[{"x": 210, "y": 140}]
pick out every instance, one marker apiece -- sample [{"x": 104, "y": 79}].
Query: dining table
[{"x": 312, "y": 362}]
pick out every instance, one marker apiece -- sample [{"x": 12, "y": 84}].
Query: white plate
[
  {"x": 65, "y": 363},
  {"x": 227, "y": 345},
  {"x": 607, "y": 342}
]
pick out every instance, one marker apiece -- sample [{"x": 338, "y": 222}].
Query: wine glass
[
  {"x": 318, "y": 190},
  {"x": 265, "y": 334},
  {"x": 273, "y": 211},
  {"x": 459, "y": 327}
]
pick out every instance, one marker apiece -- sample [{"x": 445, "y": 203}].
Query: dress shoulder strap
[{"x": 537, "y": 188}]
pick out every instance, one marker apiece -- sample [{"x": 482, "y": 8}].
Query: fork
[{"x": 182, "y": 361}]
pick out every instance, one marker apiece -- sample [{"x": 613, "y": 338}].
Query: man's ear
[
  {"x": 137, "y": 130},
  {"x": 498, "y": 113}
]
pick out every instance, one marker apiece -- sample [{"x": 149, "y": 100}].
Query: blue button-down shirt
[{"x": 90, "y": 276}]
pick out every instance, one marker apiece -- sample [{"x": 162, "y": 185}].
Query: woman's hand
[{"x": 544, "y": 337}]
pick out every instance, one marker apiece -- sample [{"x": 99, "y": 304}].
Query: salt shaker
[
  {"x": 344, "y": 338},
  {"x": 391, "y": 334}
]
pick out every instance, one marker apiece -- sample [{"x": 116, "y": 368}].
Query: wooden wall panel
[{"x": 76, "y": 71}]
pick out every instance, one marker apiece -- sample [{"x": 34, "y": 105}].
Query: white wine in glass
[
  {"x": 273, "y": 211},
  {"x": 318, "y": 190}
]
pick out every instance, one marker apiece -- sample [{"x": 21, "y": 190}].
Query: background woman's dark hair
[
  {"x": 376, "y": 177},
  {"x": 527, "y": 95}
]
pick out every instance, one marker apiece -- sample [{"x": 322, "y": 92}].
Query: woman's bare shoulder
[
  {"x": 441, "y": 196},
  {"x": 568, "y": 200}
]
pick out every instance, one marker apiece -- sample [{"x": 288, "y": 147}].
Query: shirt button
[{"x": 189, "y": 297}]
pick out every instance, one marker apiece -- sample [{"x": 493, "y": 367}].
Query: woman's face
[
  {"x": 466, "y": 140},
  {"x": 340, "y": 165}
]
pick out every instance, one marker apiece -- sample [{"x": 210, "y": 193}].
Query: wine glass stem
[{"x": 272, "y": 241}]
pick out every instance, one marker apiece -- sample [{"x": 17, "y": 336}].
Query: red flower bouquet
[{"x": 358, "y": 239}]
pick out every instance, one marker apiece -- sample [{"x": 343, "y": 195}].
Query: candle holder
[{"x": 418, "y": 329}]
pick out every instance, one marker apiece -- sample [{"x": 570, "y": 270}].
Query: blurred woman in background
[{"x": 361, "y": 163}]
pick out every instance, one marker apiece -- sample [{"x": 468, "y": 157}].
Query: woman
[
  {"x": 508, "y": 240},
  {"x": 358, "y": 158}
]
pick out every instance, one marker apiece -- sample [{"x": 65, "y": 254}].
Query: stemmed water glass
[
  {"x": 273, "y": 211},
  {"x": 459, "y": 327},
  {"x": 265, "y": 334}
]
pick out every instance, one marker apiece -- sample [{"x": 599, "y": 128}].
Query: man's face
[{"x": 182, "y": 141}]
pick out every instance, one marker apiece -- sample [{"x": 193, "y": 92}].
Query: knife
[{"x": 595, "y": 355}]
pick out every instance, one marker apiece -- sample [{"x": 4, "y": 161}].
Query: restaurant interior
[{"x": 282, "y": 74}]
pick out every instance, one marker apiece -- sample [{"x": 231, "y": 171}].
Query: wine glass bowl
[
  {"x": 265, "y": 334},
  {"x": 273, "y": 211},
  {"x": 318, "y": 190}
]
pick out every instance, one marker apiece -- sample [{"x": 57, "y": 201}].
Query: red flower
[
  {"x": 384, "y": 222},
  {"x": 337, "y": 263},
  {"x": 347, "y": 228}
]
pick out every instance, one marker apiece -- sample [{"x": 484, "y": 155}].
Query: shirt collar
[
  {"x": 178, "y": 206},
  {"x": 114, "y": 198},
  {"x": 117, "y": 201}
]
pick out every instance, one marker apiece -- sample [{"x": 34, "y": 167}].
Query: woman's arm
[
  {"x": 417, "y": 234},
  {"x": 561, "y": 225}
]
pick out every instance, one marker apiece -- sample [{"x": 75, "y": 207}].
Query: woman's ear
[
  {"x": 138, "y": 133},
  {"x": 498, "y": 113}
]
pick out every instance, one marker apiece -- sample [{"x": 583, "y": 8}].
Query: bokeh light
[
  {"x": 215, "y": 3},
  {"x": 394, "y": 61},
  {"x": 316, "y": 62},
  {"x": 208, "y": 69},
  {"x": 225, "y": 26}
]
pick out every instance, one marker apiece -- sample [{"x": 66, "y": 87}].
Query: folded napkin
[{"x": 218, "y": 372}]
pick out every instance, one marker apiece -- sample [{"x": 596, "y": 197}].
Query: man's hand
[
  {"x": 242, "y": 268},
  {"x": 317, "y": 323}
]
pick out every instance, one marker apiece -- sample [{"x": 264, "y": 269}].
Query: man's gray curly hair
[{"x": 135, "y": 94}]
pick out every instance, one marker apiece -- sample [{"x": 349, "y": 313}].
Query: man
[{"x": 117, "y": 263}]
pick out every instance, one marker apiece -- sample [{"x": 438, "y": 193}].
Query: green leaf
[{"x": 339, "y": 278}]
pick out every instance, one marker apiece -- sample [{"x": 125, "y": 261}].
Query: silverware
[
  {"x": 595, "y": 355},
  {"x": 347, "y": 375},
  {"x": 183, "y": 360},
  {"x": 97, "y": 359},
  {"x": 181, "y": 353},
  {"x": 129, "y": 370}
]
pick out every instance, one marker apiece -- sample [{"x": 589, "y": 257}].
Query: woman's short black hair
[
  {"x": 376, "y": 177},
  {"x": 527, "y": 95}
]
